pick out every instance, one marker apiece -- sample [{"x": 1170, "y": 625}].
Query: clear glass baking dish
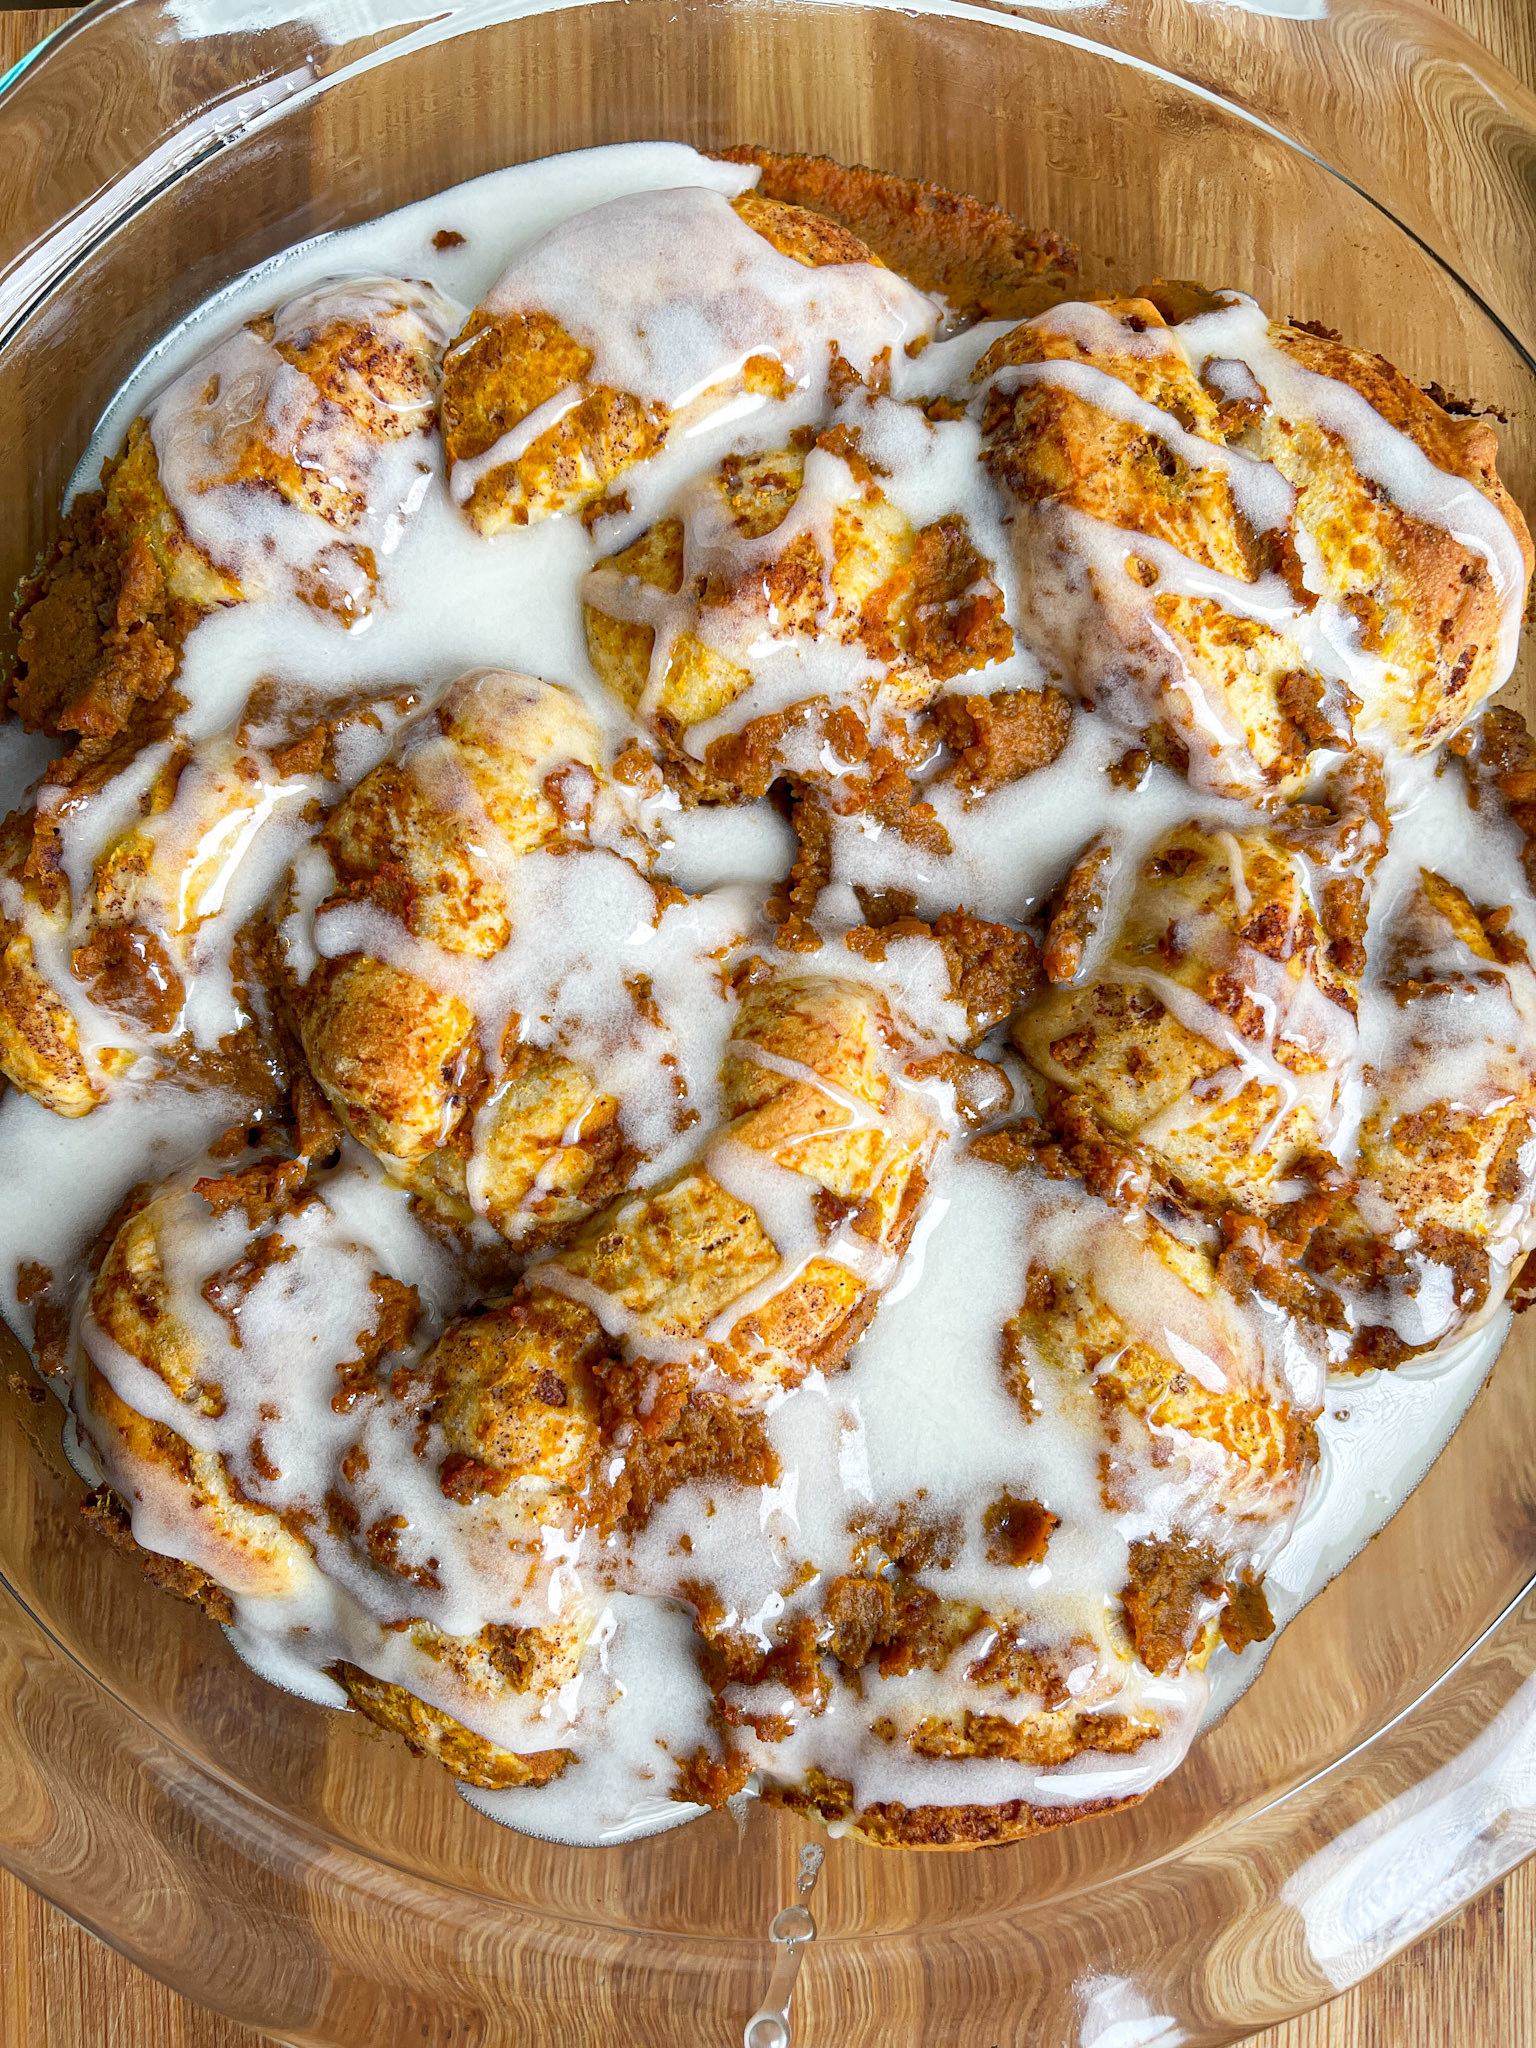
[{"x": 1348, "y": 161}]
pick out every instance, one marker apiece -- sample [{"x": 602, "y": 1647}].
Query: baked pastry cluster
[{"x": 773, "y": 1202}]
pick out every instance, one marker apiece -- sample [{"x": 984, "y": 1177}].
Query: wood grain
[{"x": 1471, "y": 1985}]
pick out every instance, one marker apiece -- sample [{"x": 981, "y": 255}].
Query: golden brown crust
[
  {"x": 1464, "y": 446},
  {"x": 402, "y": 1064},
  {"x": 513, "y": 1394},
  {"x": 1424, "y": 600},
  {"x": 1045, "y": 443},
  {"x": 385, "y": 379},
  {"x": 1444, "y": 1171},
  {"x": 889, "y": 1825},
  {"x": 248, "y": 1547},
  {"x": 805, "y": 237},
  {"x": 503, "y": 366},
  {"x": 393, "y": 1056},
  {"x": 987, "y": 264},
  {"x": 39, "y": 1040},
  {"x": 1076, "y": 910},
  {"x": 106, "y": 1512},
  {"x": 428, "y": 1732},
  {"x": 1068, "y": 1327},
  {"x": 673, "y": 1259},
  {"x": 1422, "y": 596},
  {"x": 500, "y": 370}
]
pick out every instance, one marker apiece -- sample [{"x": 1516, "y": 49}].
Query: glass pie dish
[{"x": 284, "y": 1864}]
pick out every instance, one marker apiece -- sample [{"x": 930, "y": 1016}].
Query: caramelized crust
[
  {"x": 1168, "y": 1585},
  {"x": 39, "y": 1037},
  {"x": 1424, "y": 599},
  {"x": 106, "y": 1513},
  {"x": 686, "y": 1270},
  {"x": 102, "y": 621},
  {"x": 427, "y": 1731},
  {"x": 982, "y": 261},
  {"x": 499, "y": 372},
  {"x": 1047, "y": 444},
  {"x": 497, "y": 1657},
  {"x": 889, "y": 1825}
]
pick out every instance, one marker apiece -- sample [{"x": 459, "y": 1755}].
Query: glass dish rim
[{"x": 1041, "y": 18}]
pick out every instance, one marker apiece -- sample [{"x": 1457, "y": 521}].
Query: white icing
[
  {"x": 1258, "y": 489},
  {"x": 361, "y": 485},
  {"x": 1240, "y": 331},
  {"x": 674, "y": 294}
]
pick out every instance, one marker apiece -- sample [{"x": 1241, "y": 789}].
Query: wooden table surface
[{"x": 1471, "y": 1985}]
